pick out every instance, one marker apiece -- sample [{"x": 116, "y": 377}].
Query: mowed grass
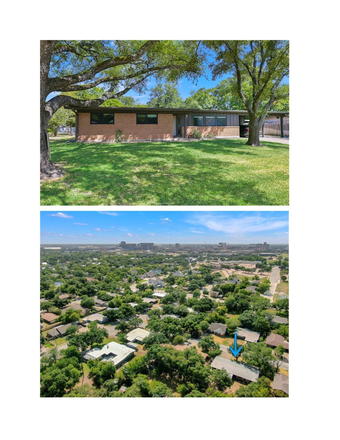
[{"x": 211, "y": 172}]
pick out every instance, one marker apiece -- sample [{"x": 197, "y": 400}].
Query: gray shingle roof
[{"x": 236, "y": 369}]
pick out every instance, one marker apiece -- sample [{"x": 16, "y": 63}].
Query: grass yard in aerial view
[{"x": 209, "y": 172}]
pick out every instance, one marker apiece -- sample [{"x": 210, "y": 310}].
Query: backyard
[{"x": 210, "y": 172}]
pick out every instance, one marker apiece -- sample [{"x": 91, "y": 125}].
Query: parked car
[{"x": 247, "y": 132}]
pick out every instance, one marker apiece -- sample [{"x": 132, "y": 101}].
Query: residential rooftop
[
  {"x": 248, "y": 335},
  {"x": 238, "y": 369},
  {"x": 116, "y": 353}
]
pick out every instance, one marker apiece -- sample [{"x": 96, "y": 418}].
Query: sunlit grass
[{"x": 212, "y": 172}]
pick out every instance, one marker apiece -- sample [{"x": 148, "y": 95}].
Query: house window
[
  {"x": 102, "y": 118},
  {"x": 221, "y": 120},
  {"x": 210, "y": 120},
  {"x": 143, "y": 118},
  {"x": 198, "y": 121}
]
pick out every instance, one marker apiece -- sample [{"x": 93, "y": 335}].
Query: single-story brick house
[{"x": 140, "y": 123}]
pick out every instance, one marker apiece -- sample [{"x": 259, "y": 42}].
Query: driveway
[{"x": 279, "y": 140}]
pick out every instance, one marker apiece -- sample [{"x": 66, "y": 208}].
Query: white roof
[
  {"x": 96, "y": 317},
  {"x": 137, "y": 333},
  {"x": 160, "y": 294},
  {"x": 248, "y": 335},
  {"x": 113, "y": 352},
  {"x": 236, "y": 368}
]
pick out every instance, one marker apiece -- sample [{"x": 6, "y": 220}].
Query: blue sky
[
  {"x": 100, "y": 227},
  {"x": 185, "y": 86}
]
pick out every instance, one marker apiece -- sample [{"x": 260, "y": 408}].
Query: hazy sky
[{"x": 91, "y": 227}]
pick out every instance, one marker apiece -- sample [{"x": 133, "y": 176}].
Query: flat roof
[
  {"x": 236, "y": 368},
  {"x": 160, "y": 294},
  {"x": 137, "y": 333},
  {"x": 164, "y": 110},
  {"x": 96, "y": 317},
  {"x": 248, "y": 335},
  {"x": 116, "y": 353}
]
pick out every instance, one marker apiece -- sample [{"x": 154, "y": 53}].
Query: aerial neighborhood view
[{"x": 183, "y": 314}]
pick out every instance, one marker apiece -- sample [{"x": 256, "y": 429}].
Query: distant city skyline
[{"x": 161, "y": 227}]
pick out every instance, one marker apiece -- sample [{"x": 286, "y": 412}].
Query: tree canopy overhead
[
  {"x": 118, "y": 66},
  {"x": 258, "y": 68}
]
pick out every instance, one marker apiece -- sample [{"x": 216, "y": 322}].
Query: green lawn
[{"x": 211, "y": 172}]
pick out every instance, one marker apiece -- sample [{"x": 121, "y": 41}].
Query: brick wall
[
  {"x": 216, "y": 131},
  {"x": 127, "y": 123}
]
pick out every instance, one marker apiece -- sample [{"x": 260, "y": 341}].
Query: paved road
[{"x": 274, "y": 279}]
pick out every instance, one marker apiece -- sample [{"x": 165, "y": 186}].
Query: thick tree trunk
[
  {"x": 46, "y": 167},
  {"x": 254, "y": 132}
]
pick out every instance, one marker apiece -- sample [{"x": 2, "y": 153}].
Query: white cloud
[
  {"x": 131, "y": 235},
  {"x": 80, "y": 224},
  {"x": 88, "y": 235},
  {"x": 151, "y": 235},
  {"x": 97, "y": 229},
  {"x": 232, "y": 225},
  {"x": 152, "y": 223},
  {"x": 166, "y": 219},
  {"x": 61, "y": 215},
  {"x": 108, "y": 213}
]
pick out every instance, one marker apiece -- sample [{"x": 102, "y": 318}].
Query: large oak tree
[
  {"x": 117, "y": 66},
  {"x": 258, "y": 69}
]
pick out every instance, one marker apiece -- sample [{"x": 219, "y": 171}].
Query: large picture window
[
  {"x": 198, "y": 121},
  {"x": 210, "y": 120},
  {"x": 147, "y": 118},
  {"x": 221, "y": 121},
  {"x": 102, "y": 118}
]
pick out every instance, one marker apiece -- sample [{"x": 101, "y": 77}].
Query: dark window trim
[
  {"x": 102, "y": 123},
  {"x": 203, "y": 120},
  {"x": 210, "y": 116},
  {"x": 146, "y": 122},
  {"x": 226, "y": 121}
]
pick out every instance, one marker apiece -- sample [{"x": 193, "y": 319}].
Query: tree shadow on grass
[{"x": 159, "y": 174}]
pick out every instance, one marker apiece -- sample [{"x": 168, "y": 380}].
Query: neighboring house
[
  {"x": 251, "y": 289},
  {"x": 96, "y": 317},
  {"x": 247, "y": 335},
  {"x": 76, "y": 306},
  {"x": 150, "y": 300},
  {"x": 153, "y": 272},
  {"x": 279, "y": 320},
  {"x": 53, "y": 333},
  {"x": 62, "y": 328},
  {"x": 170, "y": 316},
  {"x": 100, "y": 124},
  {"x": 116, "y": 353},
  {"x": 157, "y": 283},
  {"x": 50, "y": 318},
  {"x": 236, "y": 370},
  {"x": 215, "y": 294},
  {"x": 274, "y": 340},
  {"x": 160, "y": 294},
  {"x": 100, "y": 303},
  {"x": 218, "y": 329},
  {"x": 138, "y": 334},
  {"x": 281, "y": 382},
  {"x": 178, "y": 274}
]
